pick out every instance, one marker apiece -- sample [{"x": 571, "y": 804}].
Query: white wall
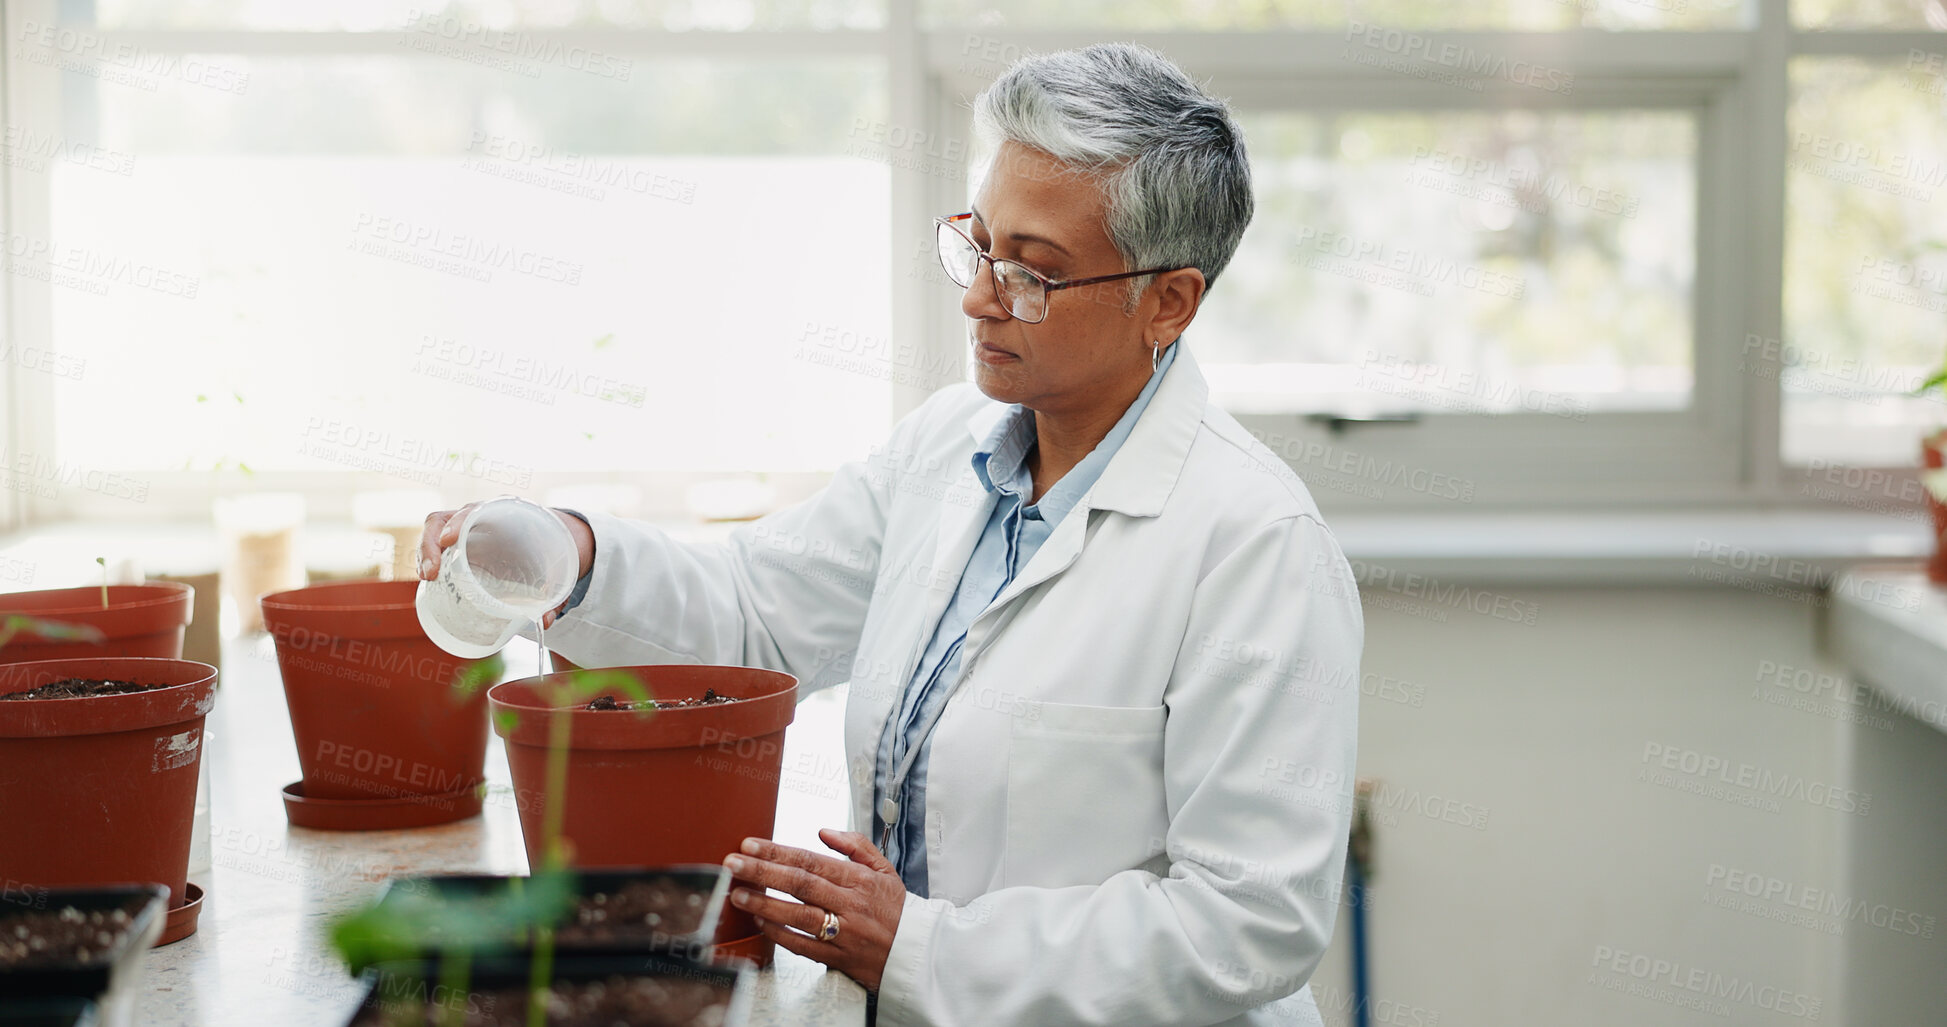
[{"x": 1548, "y": 728}]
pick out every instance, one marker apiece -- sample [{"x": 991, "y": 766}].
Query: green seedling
[
  {"x": 47, "y": 630},
  {"x": 1935, "y": 482},
  {"x": 223, "y": 462},
  {"x": 416, "y": 917},
  {"x": 44, "y": 630},
  {"x": 103, "y": 561},
  {"x": 1936, "y": 380}
]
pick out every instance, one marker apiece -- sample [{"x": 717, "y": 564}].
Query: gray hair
[{"x": 1176, "y": 180}]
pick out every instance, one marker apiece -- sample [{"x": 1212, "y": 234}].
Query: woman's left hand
[{"x": 864, "y": 892}]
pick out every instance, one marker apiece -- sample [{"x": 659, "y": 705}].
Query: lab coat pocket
[{"x": 1084, "y": 792}]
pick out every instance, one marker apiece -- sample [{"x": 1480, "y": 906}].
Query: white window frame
[
  {"x": 1511, "y": 458},
  {"x": 1722, "y": 451}
]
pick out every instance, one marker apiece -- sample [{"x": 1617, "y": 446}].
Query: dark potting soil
[
  {"x": 647, "y": 911},
  {"x": 63, "y": 937},
  {"x": 710, "y": 698},
  {"x": 637, "y": 1001},
  {"x": 650, "y": 909},
  {"x": 78, "y": 688}
]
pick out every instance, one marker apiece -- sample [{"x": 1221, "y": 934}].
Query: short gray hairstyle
[{"x": 1176, "y": 180}]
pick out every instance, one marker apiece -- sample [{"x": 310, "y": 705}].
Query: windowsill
[
  {"x": 1791, "y": 546},
  {"x": 1647, "y": 547},
  {"x": 63, "y": 555}
]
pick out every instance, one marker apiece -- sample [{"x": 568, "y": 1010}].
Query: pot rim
[
  {"x": 105, "y": 714},
  {"x": 167, "y": 592},
  {"x": 283, "y": 600},
  {"x": 771, "y": 710},
  {"x": 785, "y": 682}
]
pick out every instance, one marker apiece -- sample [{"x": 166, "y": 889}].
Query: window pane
[
  {"x": 1507, "y": 262},
  {"x": 1870, "y": 14},
  {"x": 486, "y": 277},
  {"x": 1516, "y": 15},
  {"x": 456, "y": 19},
  {"x": 1865, "y": 264}
]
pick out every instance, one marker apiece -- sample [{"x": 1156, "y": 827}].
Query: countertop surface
[
  {"x": 1889, "y": 625},
  {"x": 259, "y": 954},
  {"x": 1662, "y": 546}
]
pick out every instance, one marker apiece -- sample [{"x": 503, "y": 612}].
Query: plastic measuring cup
[{"x": 513, "y": 561}]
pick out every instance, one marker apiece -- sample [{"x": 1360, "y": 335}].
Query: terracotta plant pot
[
  {"x": 373, "y": 705},
  {"x": 102, "y": 789},
  {"x": 1933, "y": 449},
  {"x": 683, "y": 785},
  {"x": 141, "y": 620}
]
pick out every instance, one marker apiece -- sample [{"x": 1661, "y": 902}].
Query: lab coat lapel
[
  {"x": 1056, "y": 554},
  {"x": 1143, "y": 473},
  {"x": 960, "y": 528},
  {"x": 1138, "y": 481},
  {"x": 960, "y": 525}
]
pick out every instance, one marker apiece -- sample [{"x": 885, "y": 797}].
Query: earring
[{"x": 1155, "y": 356}]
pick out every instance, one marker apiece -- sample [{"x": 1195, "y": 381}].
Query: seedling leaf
[
  {"x": 47, "y": 630},
  {"x": 582, "y": 686},
  {"x": 415, "y": 917},
  {"x": 475, "y": 676}
]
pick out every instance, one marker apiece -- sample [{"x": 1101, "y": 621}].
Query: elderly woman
[{"x": 1102, "y": 652}]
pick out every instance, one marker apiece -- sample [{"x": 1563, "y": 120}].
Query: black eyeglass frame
[{"x": 1048, "y": 285}]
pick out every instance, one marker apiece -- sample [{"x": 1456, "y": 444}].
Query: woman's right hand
[{"x": 443, "y": 529}]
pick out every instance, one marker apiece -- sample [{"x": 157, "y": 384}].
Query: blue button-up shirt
[{"x": 1015, "y": 530}]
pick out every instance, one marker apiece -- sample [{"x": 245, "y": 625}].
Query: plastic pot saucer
[
  {"x": 181, "y": 921},
  {"x": 757, "y": 949},
  {"x": 382, "y": 814}
]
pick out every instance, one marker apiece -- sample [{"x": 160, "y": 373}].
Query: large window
[
  {"x": 1866, "y": 256},
  {"x": 1479, "y": 262},
  {"x": 1562, "y": 252},
  {"x": 1492, "y": 15},
  {"x": 397, "y": 259},
  {"x": 384, "y": 15}
]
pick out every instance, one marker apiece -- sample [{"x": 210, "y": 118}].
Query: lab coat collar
[
  {"x": 1141, "y": 475},
  {"x": 999, "y": 453}
]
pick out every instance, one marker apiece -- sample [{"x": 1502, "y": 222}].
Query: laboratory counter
[{"x": 260, "y": 955}]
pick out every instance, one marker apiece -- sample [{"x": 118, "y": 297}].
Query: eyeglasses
[{"x": 1023, "y": 292}]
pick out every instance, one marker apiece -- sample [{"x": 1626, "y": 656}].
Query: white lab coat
[{"x": 1139, "y": 791}]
